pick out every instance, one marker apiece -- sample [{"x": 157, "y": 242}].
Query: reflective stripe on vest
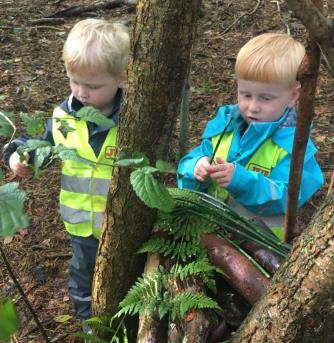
[{"x": 84, "y": 189}]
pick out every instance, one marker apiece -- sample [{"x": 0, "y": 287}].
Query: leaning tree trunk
[
  {"x": 298, "y": 305},
  {"x": 162, "y": 38}
]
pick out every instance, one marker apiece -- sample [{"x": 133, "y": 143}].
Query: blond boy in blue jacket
[{"x": 254, "y": 139}]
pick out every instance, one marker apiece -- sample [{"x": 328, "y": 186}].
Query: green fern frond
[
  {"x": 143, "y": 295},
  {"x": 184, "y": 223},
  {"x": 199, "y": 267},
  {"x": 216, "y": 212},
  {"x": 181, "y": 303},
  {"x": 173, "y": 248}
]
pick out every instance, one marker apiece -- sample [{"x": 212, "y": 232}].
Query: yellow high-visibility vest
[
  {"x": 84, "y": 189},
  {"x": 264, "y": 159}
]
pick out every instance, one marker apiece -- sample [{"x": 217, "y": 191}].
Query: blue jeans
[{"x": 81, "y": 274}]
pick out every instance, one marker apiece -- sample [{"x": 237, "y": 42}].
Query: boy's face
[
  {"x": 264, "y": 102},
  {"x": 97, "y": 89}
]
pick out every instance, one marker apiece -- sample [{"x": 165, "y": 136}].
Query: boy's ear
[
  {"x": 122, "y": 79},
  {"x": 295, "y": 92}
]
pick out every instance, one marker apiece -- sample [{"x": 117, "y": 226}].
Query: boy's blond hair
[
  {"x": 96, "y": 44},
  {"x": 270, "y": 57}
]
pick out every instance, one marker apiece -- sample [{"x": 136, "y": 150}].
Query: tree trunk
[
  {"x": 162, "y": 38},
  {"x": 298, "y": 305}
]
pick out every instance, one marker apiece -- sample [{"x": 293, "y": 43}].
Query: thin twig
[
  {"x": 243, "y": 15},
  {"x": 24, "y": 297},
  {"x": 331, "y": 185},
  {"x": 46, "y": 21}
]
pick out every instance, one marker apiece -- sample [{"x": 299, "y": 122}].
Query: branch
[
  {"x": 308, "y": 74},
  {"x": 75, "y": 10},
  {"x": 243, "y": 15},
  {"x": 24, "y": 297},
  {"x": 317, "y": 25}
]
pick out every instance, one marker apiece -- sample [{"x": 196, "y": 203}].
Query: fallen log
[
  {"x": 194, "y": 327},
  {"x": 267, "y": 259},
  {"x": 241, "y": 274},
  {"x": 151, "y": 328}
]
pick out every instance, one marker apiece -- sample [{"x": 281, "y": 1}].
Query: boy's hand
[
  {"x": 18, "y": 167},
  {"x": 221, "y": 172},
  {"x": 201, "y": 169}
]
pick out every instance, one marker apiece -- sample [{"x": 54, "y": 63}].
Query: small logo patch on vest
[
  {"x": 110, "y": 152},
  {"x": 260, "y": 169}
]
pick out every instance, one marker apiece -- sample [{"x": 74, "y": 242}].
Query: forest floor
[{"x": 32, "y": 77}]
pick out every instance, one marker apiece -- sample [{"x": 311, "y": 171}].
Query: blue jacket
[{"x": 263, "y": 195}]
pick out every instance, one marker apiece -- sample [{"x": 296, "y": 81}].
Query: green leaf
[
  {"x": 3, "y": 97},
  {"x": 149, "y": 190},
  {"x": 1, "y": 175},
  {"x": 31, "y": 145},
  {"x": 93, "y": 115},
  {"x": 12, "y": 217},
  {"x": 165, "y": 167},
  {"x": 9, "y": 322},
  {"x": 71, "y": 154},
  {"x": 34, "y": 123},
  {"x": 6, "y": 129},
  {"x": 64, "y": 127},
  {"x": 62, "y": 318},
  {"x": 129, "y": 162},
  {"x": 126, "y": 155},
  {"x": 40, "y": 155}
]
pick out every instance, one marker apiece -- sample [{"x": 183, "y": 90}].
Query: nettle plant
[{"x": 183, "y": 217}]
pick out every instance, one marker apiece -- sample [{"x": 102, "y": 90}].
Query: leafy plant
[
  {"x": 12, "y": 217},
  {"x": 151, "y": 293},
  {"x": 9, "y": 322}
]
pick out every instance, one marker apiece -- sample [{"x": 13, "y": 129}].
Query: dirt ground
[{"x": 32, "y": 77}]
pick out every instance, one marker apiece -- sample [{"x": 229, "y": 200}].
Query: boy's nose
[
  {"x": 82, "y": 93},
  {"x": 254, "y": 106}
]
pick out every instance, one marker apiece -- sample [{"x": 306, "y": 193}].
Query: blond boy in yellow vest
[
  {"x": 95, "y": 55},
  {"x": 252, "y": 141}
]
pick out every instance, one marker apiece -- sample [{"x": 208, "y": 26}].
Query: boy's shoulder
[{"x": 284, "y": 135}]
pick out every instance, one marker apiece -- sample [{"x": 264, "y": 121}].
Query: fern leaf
[
  {"x": 185, "y": 301},
  {"x": 199, "y": 267},
  {"x": 154, "y": 245},
  {"x": 142, "y": 296}
]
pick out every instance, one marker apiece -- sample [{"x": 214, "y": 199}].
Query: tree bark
[
  {"x": 162, "y": 38},
  {"x": 298, "y": 304},
  {"x": 317, "y": 25}
]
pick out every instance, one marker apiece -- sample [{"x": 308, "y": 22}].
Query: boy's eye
[{"x": 94, "y": 87}]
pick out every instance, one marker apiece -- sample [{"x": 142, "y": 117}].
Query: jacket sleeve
[
  {"x": 185, "y": 175},
  {"x": 268, "y": 195},
  {"x": 10, "y": 148}
]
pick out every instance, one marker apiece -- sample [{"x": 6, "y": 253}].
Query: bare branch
[{"x": 317, "y": 25}]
